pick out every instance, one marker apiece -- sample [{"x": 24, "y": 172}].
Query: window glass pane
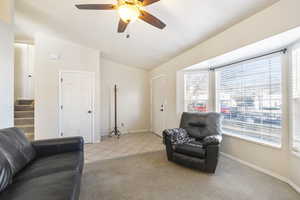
[
  {"x": 249, "y": 96},
  {"x": 196, "y": 91}
]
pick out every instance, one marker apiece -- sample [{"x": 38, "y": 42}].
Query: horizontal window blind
[
  {"x": 249, "y": 96},
  {"x": 196, "y": 91},
  {"x": 295, "y": 111}
]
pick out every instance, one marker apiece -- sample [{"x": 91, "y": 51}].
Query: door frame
[
  {"x": 152, "y": 79},
  {"x": 92, "y": 74}
]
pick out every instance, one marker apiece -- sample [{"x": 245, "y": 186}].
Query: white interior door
[
  {"x": 29, "y": 91},
  {"x": 76, "y": 109},
  {"x": 158, "y": 105},
  {"x": 24, "y": 68}
]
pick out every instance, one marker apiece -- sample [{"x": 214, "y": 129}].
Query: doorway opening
[{"x": 24, "y": 88}]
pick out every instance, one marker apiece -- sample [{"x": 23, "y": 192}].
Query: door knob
[{"x": 89, "y": 111}]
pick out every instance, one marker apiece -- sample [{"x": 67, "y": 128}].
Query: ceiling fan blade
[
  {"x": 148, "y": 2},
  {"x": 122, "y": 26},
  {"x": 150, "y": 19},
  {"x": 96, "y": 6}
]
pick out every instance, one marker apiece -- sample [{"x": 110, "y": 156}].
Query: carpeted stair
[{"x": 24, "y": 117}]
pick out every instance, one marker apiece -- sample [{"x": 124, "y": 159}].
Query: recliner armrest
[
  {"x": 57, "y": 146},
  {"x": 166, "y": 137},
  {"x": 169, "y": 147},
  {"x": 212, "y": 140}
]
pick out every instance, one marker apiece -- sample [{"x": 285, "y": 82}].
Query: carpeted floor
[{"x": 150, "y": 176}]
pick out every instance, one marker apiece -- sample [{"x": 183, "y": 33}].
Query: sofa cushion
[
  {"x": 5, "y": 172},
  {"x": 201, "y": 125},
  {"x": 193, "y": 149},
  {"x": 58, "y": 186},
  {"x": 52, "y": 164},
  {"x": 16, "y": 148}
]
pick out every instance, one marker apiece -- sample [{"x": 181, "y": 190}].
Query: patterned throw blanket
[{"x": 179, "y": 136}]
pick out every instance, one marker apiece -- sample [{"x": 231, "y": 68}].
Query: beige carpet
[
  {"x": 128, "y": 144},
  {"x": 150, "y": 176}
]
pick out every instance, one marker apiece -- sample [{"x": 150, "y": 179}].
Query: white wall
[
  {"x": 276, "y": 19},
  {"x": 71, "y": 57},
  {"x": 6, "y": 64},
  {"x": 133, "y": 97},
  {"x": 6, "y": 11},
  {"x": 133, "y": 86}
]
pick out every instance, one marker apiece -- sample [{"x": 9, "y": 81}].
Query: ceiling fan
[{"x": 129, "y": 11}]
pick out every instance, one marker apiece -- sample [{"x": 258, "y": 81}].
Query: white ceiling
[{"x": 188, "y": 23}]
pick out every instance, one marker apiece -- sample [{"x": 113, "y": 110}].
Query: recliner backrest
[
  {"x": 16, "y": 148},
  {"x": 201, "y": 125}
]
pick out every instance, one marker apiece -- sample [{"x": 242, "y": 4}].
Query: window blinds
[
  {"x": 295, "y": 107},
  {"x": 196, "y": 91},
  {"x": 249, "y": 96}
]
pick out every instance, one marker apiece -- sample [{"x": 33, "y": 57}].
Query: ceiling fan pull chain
[{"x": 128, "y": 32}]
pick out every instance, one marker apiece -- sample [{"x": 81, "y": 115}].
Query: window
[
  {"x": 296, "y": 98},
  {"x": 196, "y": 91},
  {"x": 249, "y": 96}
]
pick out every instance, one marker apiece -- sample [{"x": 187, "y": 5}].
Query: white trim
[
  {"x": 265, "y": 171},
  {"x": 192, "y": 71},
  {"x": 293, "y": 150},
  {"x": 106, "y": 132},
  {"x": 24, "y": 42},
  {"x": 293, "y": 185},
  {"x": 151, "y": 103},
  {"x": 295, "y": 153},
  {"x": 93, "y": 100}
]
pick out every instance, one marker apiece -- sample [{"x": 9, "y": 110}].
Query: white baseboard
[
  {"x": 265, "y": 171},
  {"x": 106, "y": 132},
  {"x": 293, "y": 185},
  {"x": 138, "y": 131}
]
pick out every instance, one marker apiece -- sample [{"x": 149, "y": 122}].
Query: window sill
[
  {"x": 259, "y": 142},
  {"x": 296, "y": 153}
]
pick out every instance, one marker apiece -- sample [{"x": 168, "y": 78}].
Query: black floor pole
[
  {"x": 115, "y": 130},
  {"x": 116, "y": 122}
]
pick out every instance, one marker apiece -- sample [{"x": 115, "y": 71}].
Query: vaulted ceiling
[{"x": 188, "y": 23}]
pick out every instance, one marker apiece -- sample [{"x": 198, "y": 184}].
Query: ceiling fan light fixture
[{"x": 129, "y": 13}]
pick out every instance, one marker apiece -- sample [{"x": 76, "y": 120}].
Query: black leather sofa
[
  {"x": 41, "y": 170},
  {"x": 196, "y": 143}
]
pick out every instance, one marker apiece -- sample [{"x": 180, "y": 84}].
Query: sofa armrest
[
  {"x": 57, "y": 146},
  {"x": 212, "y": 140}
]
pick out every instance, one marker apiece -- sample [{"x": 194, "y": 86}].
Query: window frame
[
  {"x": 249, "y": 138},
  {"x": 294, "y": 150}
]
